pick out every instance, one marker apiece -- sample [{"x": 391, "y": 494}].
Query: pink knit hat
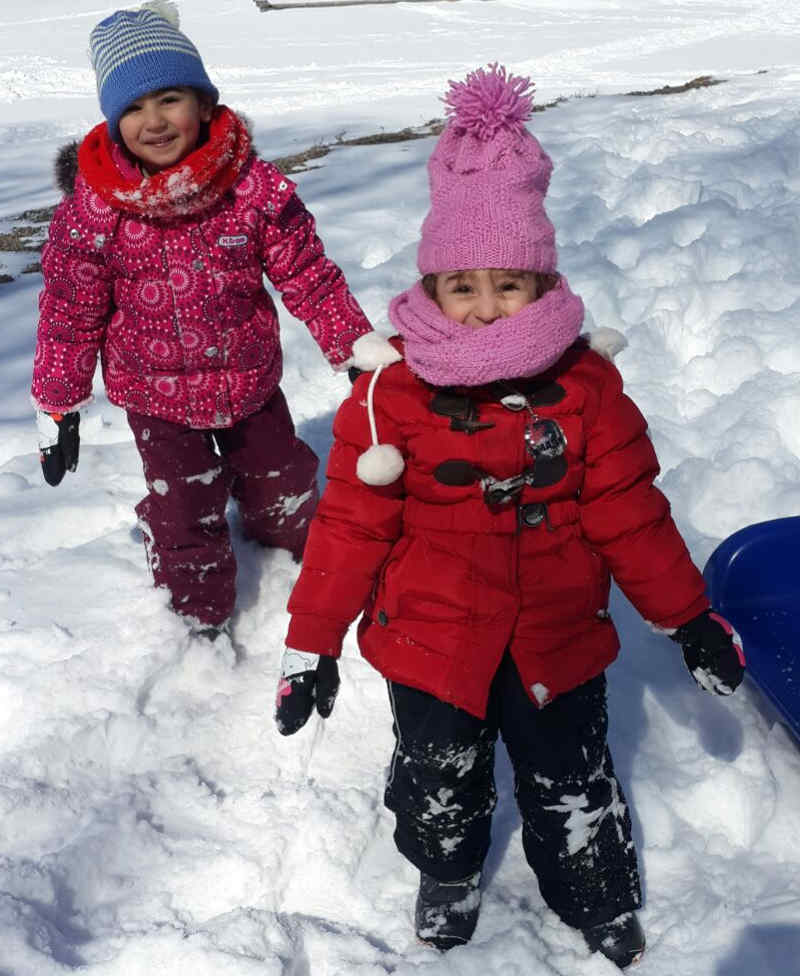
[{"x": 488, "y": 178}]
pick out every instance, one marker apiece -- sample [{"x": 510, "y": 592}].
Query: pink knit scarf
[{"x": 446, "y": 353}]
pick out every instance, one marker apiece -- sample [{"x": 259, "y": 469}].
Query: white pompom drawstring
[
  {"x": 371, "y": 351},
  {"x": 380, "y": 464}
]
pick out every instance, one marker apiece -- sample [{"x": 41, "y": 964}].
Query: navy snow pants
[
  {"x": 576, "y": 829},
  {"x": 190, "y": 476}
]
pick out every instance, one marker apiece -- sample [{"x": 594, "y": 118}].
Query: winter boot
[
  {"x": 447, "y": 911},
  {"x": 210, "y": 632},
  {"x": 621, "y": 940}
]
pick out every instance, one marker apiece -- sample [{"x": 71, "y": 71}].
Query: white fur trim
[
  {"x": 166, "y": 9},
  {"x": 372, "y": 350},
  {"x": 380, "y": 464},
  {"x": 608, "y": 342}
]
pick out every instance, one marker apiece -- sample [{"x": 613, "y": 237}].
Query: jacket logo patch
[{"x": 232, "y": 240}]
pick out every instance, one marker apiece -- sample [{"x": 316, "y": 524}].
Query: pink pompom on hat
[{"x": 488, "y": 179}]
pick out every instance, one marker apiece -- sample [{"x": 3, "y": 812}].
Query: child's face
[
  {"x": 160, "y": 128},
  {"x": 477, "y": 298}
]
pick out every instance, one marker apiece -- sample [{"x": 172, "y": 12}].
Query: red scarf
[{"x": 188, "y": 187}]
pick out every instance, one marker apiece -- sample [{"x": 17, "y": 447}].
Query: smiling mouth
[{"x": 160, "y": 143}]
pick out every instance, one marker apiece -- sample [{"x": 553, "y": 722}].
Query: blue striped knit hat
[{"x": 134, "y": 52}]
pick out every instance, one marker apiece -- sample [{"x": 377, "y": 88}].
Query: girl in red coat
[
  {"x": 481, "y": 493},
  {"x": 155, "y": 259}
]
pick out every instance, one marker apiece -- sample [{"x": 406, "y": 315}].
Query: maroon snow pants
[{"x": 190, "y": 476}]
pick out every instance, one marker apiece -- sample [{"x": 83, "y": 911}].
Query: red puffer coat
[
  {"x": 175, "y": 302},
  {"x": 447, "y": 581}
]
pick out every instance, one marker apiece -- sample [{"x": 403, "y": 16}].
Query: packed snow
[{"x": 152, "y": 819}]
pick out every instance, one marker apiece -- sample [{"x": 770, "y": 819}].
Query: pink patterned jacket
[{"x": 175, "y": 302}]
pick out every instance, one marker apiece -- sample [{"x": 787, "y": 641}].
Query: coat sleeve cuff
[
  {"x": 668, "y": 625},
  {"x": 60, "y": 408},
  {"x": 316, "y": 634}
]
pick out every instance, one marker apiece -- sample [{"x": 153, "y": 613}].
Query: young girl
[
  {"x": 479, "y": 538},
  {"x": 155, "y": 258}
]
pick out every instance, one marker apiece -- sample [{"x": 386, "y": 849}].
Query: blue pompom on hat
[{"x": 134, "y": 52}]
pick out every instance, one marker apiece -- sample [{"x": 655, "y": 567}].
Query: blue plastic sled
[{"x": 753, "y": 579}]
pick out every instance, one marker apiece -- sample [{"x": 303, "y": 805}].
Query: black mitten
[
  {"x": 59, "y": 443},
  {"x": 712, "y": 652},
  {"x": 307, "y": 680}
]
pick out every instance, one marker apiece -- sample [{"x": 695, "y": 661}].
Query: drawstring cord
[{"x": 370, "y": 409}]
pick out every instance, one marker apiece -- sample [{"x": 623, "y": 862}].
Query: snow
[{"x": 153, "y": 819}]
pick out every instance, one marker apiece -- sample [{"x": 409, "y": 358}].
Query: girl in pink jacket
[{"x": 155, "y": 259}]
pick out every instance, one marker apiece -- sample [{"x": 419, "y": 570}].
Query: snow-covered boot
[
  {"x": 621, "y": 940},
  {"x": 210, "y": 632},
  {"x": 447, "y": 911}
]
